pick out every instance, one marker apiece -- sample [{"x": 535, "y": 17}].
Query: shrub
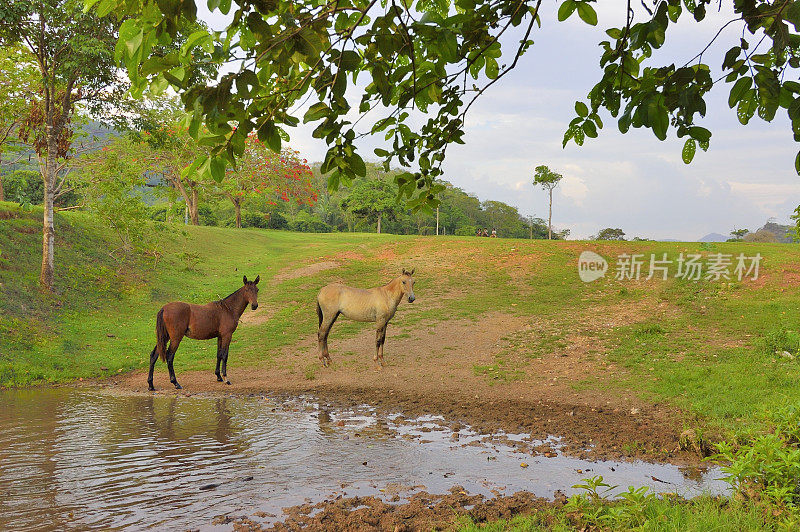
[
  {"x": 767, "y": 468},
  {"x": 465, "y": 230}
]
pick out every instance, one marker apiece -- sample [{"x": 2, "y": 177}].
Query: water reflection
[{"x": 76, "y": 459}]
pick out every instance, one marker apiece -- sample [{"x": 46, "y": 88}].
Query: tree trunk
[
  {"x": 237, "y": 204},
  {"x": 380, "y": 215},
  {"x": 193, "y": 209},
  {"x": 550, "y": 218},
  {"x": 437, "y": 221},
  {"x": 47, "y": 275}
]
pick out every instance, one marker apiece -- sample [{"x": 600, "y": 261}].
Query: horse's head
[
  {"x": 407, "y": 284},
  {"x": 250, "y": 291}
]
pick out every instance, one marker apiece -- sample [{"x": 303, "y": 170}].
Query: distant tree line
[{"x": 137, "y": 174}]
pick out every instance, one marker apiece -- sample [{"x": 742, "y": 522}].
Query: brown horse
[
  {"x": 374, "y": 305},
  {"x": 217, "y": 319}
]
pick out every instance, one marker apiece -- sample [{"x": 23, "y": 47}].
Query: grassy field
[
  {"x": 722, "y": 353},
  {"x": 712, "y": 348}
]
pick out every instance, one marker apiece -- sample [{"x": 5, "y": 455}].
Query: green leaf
[
  {"x": 659, "y": 120},
  {"x": 739, "y": 88},
  {"x": 797, "y": 163},
  {"x": 193, "y": 168},
  {"x": 358, "y": 166},
  {"x": 566, "y": 9},
  {"x": 581, "y": 109},
  {"x": 689, "y": 149},
  {"x": 218, "y": 165},
  {"x": 198, "y": 38},
  {"x": 88, "y": 4},
  {"x": 268, "y": 134},
  {"x": 492, "y": 68},
  {"x": 587, "y": 14},
  {"x": 747, "y": 107},
  {"x": 579, "y": 136},
  {"x": 590, "y": 129},
  {"x": 105, "y": 7},
  {"x": 134, "y": 42},
  {"x": 316, "y": 111},
  {"x": 700, "y": 133}
]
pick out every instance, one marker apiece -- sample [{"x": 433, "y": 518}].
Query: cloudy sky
[{"x": 632, "y": 181}]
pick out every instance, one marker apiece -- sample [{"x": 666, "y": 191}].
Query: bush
[
  {"x": 767, "y": 468},
  {"x": 159, "y": 212},
  {"x": 277, "y": 221},
  {"x": 465, "y": 230},
  {"x": 308, "y": 223},
  {"x": 207, "y": 215},
  {"x": 24, "y": 186}
]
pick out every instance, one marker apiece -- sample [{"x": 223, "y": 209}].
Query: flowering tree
[
  {"x": 174, "y": 155},
  {"x": 263, "y": 172}
]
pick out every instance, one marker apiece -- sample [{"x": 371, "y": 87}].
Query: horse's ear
[
  {"x": 258, "y": 278},
  {"x": 244, "y": 279},
  {"x": 404, "y": 271},
  {"x": 412, "y": 271}
]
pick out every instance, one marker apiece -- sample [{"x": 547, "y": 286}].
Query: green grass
[
  {"x": 714, "y": 349},
  {"x": 697, "y": 515}
]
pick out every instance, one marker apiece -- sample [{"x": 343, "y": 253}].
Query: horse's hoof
[
  {"x": 228, "y": 383},
  {"x": 219, "y": 379},
  {"x": 178, "y": 386},
  {"x": 150, "y": 388}
]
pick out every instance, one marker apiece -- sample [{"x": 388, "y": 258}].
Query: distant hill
[{"x": 714, "y": 237}]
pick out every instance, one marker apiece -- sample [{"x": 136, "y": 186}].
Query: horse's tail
[
  {"x": 319, "y": 314},
  {"x": 162, "y": 336}
]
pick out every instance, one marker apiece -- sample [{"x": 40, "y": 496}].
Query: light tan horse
[{"x": 374, "y": 305}]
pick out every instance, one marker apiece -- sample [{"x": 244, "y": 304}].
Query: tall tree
[
  {"x": 372, "y": 199},
  {"x": 74, "y": 55},
  {"x": 17, "y": 90},
  {"x": 548, "y": 180}
]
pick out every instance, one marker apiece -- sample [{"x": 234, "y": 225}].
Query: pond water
[{"x": 76, "y": 458}]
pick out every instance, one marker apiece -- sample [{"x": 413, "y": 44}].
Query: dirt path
[{"x": 499, "y": 372}]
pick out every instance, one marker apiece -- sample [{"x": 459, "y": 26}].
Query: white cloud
[{"x": 574, "y": 188}]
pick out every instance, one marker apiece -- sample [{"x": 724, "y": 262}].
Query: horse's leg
[
  {"x": 173, "y": 347},
  {"x": 322, "y": 337},
  {"x": 226, "y": 344},
  {"x": 380, "y": 338},
  {"x": 220, "y": 352},
  {"x": 153, "y": 358}
]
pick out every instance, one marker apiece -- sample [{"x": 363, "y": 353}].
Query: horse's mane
[{"x": 226, "y": 298}]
